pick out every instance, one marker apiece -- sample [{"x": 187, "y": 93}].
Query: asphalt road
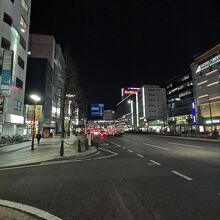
[{"x": 132, "y": 177}]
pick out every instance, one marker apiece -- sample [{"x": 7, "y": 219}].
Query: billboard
[
  {"x": 97, "y": 109},
  {"x": 6, "y": 69}
]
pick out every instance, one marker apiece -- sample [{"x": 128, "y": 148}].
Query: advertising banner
[{"x": 6, "y": 69}]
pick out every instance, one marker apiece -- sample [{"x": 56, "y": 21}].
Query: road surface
[{"x": 132, "y": 177}]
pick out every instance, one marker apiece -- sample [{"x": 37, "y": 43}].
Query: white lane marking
[
  {"x": 124, "y": 148},
  {"x": 29, "y": 209},
  {"x": 180, "y": 174},
  {"x": 153, "y": 161},
  {"x": 118, "y": 145},
  {"x": 187, "y": 145},
  {"x": 139, "y": 155},
  {"x": 130, "y": 151},
  {"x": 163, "y": 148}
]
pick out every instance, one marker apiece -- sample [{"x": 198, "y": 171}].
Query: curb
[
  {"x": 187, "y": 138},
  {"x": 29, "y": 210},
  {"x": 61, "y": 158}
]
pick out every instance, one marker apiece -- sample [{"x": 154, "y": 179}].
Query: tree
[{"x": 73, "y": 96}]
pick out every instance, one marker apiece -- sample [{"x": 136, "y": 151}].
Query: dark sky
[{"x": 118, "y": 43}]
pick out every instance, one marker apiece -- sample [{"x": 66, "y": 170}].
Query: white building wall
[
  {"x": 155, "y": 102},
  {"x": 11, "y": 117}
]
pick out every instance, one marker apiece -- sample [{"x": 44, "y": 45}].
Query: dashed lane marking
[
  {"x": 139, "y": 155},
  {"x": 29, "y": 209},
  {"x": 162, "y": 148},
  {"x": 130, "y": 151},
  {"x": 155, "y": 162},
  {"x": 187, "y": 145},
  {"x": 181, "y": 175}
]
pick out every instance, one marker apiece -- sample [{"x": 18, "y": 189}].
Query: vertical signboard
[
  {"x": 38, "y": 112},
  {"x": 1, "y": 105},
  {"x": 6, "y": 70},
  {"x": 193, "y": 112},
  {"x": 97, "y": 110}
]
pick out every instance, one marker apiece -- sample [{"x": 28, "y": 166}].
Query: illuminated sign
[
  {"x": 97, "y": 109},
  {"x": 208, "y": 63},
  {"x": 129, "y": 92},
  {"x": 193, "y": 112}
]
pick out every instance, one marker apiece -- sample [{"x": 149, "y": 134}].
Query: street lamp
[
  {"x": 132, "y": 111},
  {"x": 36, "y": 99}
]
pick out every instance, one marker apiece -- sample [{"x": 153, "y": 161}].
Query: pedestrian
[
  {"x": 51, "y": 134},
  {"x": 38, "y": 138}
]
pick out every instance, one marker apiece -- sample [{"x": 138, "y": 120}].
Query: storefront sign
[
  {"x": 38, "y": 112},
  {"x": 208, "y": 63}
]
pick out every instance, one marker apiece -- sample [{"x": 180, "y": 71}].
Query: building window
[
  {"x": 7, "y": 19},
  {"x": 20, "y": 62},
  {"x": 24, "y": 5},
  {"x": 23, "y": 25},
  {"x": 5, "y": 44},
  {"x": 17, "y": 105},
  {"x": 22, "y": 42},
  {"x": 19, "y": 83}
]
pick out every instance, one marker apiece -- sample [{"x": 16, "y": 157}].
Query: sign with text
[
  {"x": 97, "y": 110},
  {"x": 6, "y": 69}
]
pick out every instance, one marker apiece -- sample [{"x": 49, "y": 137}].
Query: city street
[{"x": 135, "y": 176}]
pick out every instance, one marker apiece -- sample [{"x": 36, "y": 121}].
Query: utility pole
[{"x": 210, "y": 112}]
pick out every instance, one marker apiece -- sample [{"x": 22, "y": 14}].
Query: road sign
[{"x": 97, "y": 110}]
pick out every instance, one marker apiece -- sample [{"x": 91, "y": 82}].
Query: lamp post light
[
  {"x": 132, "y": 111},
  {"x": 35, "y": 99}
]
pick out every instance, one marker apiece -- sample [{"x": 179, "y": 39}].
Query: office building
[
  {"x": 206, "y": 79},
  {"x": 45, "y": 77},
  {"x": 150, "y": 105},
  {"x": 14, "y": 35},
  {"x": 179, "y": 95}
]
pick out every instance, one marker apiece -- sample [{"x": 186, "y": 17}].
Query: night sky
[{"x": 118, "y": 43}]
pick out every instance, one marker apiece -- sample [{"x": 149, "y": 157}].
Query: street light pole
[
  {"x": 33, "y": 127},
  {"x": 35, "y": 99}
]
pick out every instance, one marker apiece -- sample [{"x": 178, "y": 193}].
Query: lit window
[
  {"x": 24, "y": 5},
  {"x": 212, "y": 84},
  {"x": 23, "y": 25},
  {"x": 201, "y": 83},
  {"x": 17, "y": 105}
]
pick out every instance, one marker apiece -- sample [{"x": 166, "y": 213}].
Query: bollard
[
  {"x": 86, "y": 144},
  {"x": 79, "y": 146},
  {"x": 62, "y": 148}
]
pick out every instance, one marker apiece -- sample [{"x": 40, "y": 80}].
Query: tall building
[
  {"x": 206, "y": 77},
  {"x": 45, "y": 77},
  {"x": 179, "y": 93},
  {"x": 14, "y": 35},
  {"x": 150, "y": 105}
]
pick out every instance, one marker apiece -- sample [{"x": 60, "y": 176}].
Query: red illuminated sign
[{"x": 129, "y": 92}]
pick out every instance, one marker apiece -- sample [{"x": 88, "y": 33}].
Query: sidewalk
[{"x": 49, "y": 149}]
